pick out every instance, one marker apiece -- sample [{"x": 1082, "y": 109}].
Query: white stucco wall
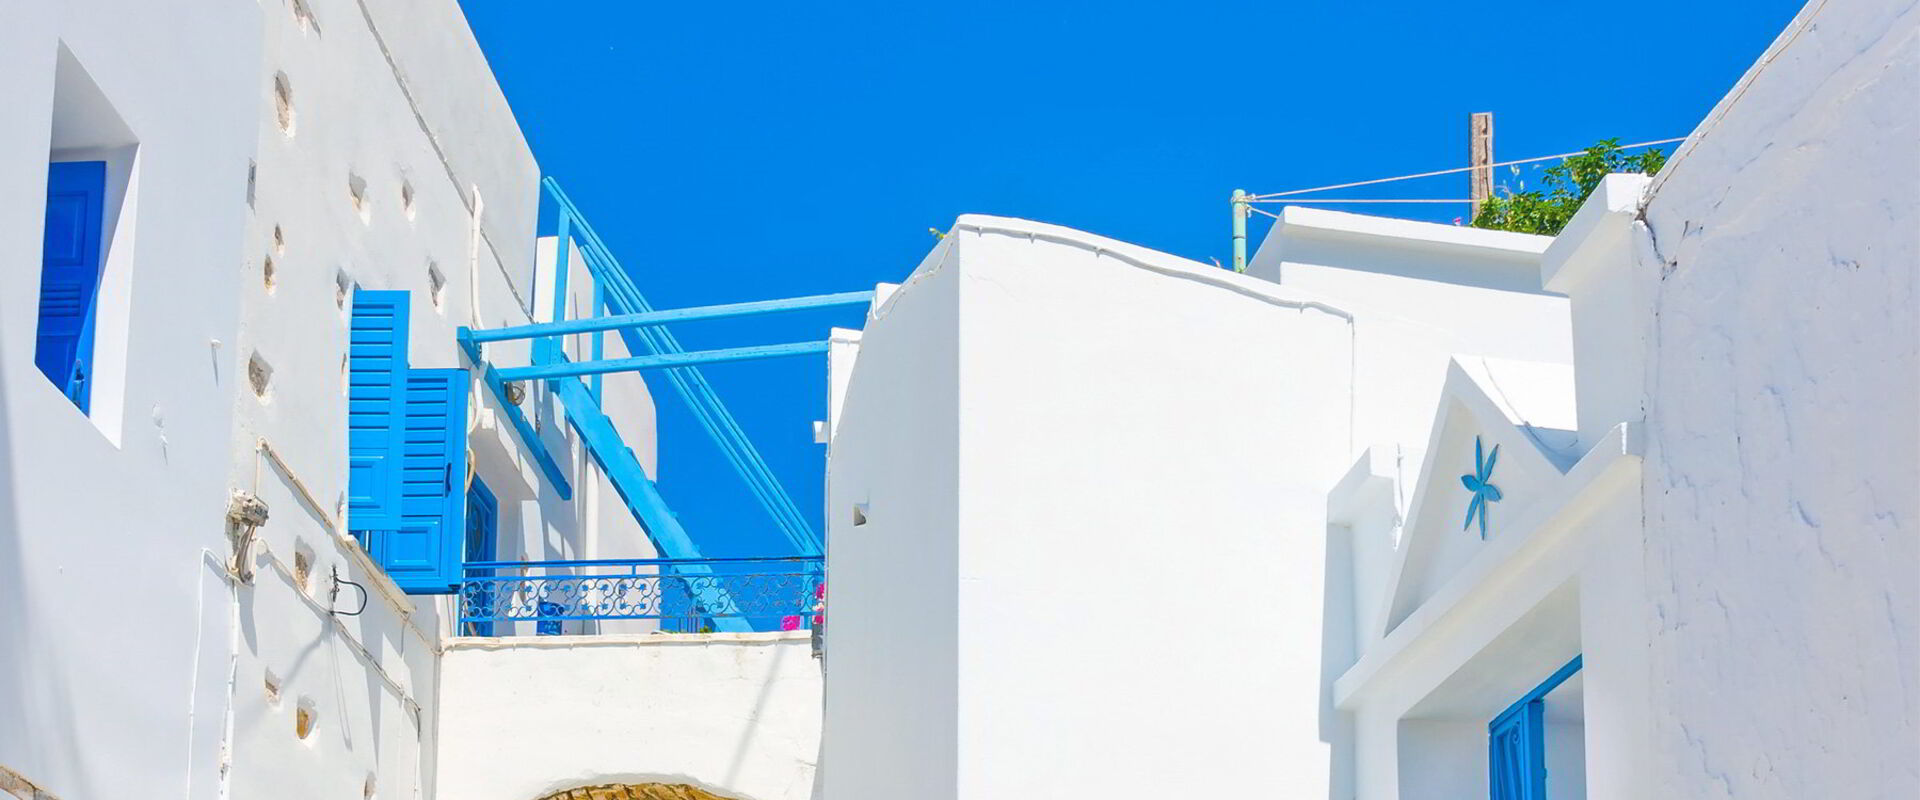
[
  {"x": 118, "y": 625},
  {"x": 132, "y": 677},
  {"x": 1782, "y": 486},
  {"x": 736, "y": 714},
  {"x": 1141, "y": 447}
]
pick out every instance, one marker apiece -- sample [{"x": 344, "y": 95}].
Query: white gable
[{"x": 1509, "y": 422}]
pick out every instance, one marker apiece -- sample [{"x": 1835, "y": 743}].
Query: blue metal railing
[{"x": 686, "y": 594}]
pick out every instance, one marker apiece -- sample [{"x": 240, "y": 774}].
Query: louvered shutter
[
  {"x": 423, "y": 553},
  {"x": 376, "y": 377},
  {"x": 70, "y": 275}
]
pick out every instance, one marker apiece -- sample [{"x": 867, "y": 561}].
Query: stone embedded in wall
[{"x": 635, "y": 791}]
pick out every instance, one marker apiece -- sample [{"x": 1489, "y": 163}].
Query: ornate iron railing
[{"x": 682, "y": 594}]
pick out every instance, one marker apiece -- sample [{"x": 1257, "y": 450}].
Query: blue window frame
[
  {"x": 1517, "y": 743},
  {"x": 70, "y": 276},
  {"x": 483, "y": 525}
]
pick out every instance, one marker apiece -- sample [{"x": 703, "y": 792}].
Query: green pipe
[{"x": 1240, "y": 230}]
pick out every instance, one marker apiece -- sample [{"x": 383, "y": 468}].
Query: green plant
[{"x": 1563, "y": 187}]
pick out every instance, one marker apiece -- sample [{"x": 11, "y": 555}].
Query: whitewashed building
[
  {"x": 248, "y": 462},
  {"x": 1411, "y": 510},
  {"x": 327, "y": 473}
]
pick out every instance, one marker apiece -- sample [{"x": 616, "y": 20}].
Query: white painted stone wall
[
  {"x": 140, "y": 666},
  {"x": 118, "y": 623},
  {"x": 736, "y": 714},
  {"x": 1782, "y": 488},
  {"x": 1093, "y": 482}
]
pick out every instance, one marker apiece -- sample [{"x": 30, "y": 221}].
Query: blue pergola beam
[
  {"x": 662, "y": 361},
  {"x": 727, "y": 311}
]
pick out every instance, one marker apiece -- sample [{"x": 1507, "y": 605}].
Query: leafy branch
[{"x": 1564, "y": 187}]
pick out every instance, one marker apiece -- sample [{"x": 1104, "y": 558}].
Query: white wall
[
  {"x": 1143, "y": 448},
  {"x": 737, "y": 714},
  {"x": 892, "y": 661},
  {"x": 118, "y": 626},
  {"x": 141, "y": 667},
  {"x": 1782, "y": 488}
]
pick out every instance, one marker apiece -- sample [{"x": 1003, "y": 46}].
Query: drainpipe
[{"x": 1240, "y": 230}]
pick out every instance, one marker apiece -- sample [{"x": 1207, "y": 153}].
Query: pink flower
[{"x": 790, "y": 622}]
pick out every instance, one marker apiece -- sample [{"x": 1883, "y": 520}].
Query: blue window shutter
[
  {"x": 70, "y": 275},
  {"x": 424, "y": 553},
  {"x": 376, "y": 374}
]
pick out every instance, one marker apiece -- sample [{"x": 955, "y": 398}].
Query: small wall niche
[
  {"x": 305, "y": 718},
  {"x": 272, "y": 686},
  {"x": 283, "y": 102},
  {"x": 357, "y": 197},
  {"x": 437, "y": 286},
  {"x": 260, "y": 377}
]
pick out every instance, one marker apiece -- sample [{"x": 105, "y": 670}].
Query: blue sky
[{"x": 755, "y": 150}]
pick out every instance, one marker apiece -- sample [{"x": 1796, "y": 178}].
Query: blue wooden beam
[
  {"x": 727, "y": 311},
  {"x": 630, "y": 481},
  {"x": 565, "y": 369},
  {"x": 528, "y": 436}
]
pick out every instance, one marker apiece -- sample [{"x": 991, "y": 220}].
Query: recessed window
[
  {"x": 859, "y": 515},
  {"x": 86, "y": 254},
  {"x": 266, "y": 272},
  {"x": 406, "y": 200}
]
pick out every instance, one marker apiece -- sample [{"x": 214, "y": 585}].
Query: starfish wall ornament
[{"x": 1484, "y": 493}]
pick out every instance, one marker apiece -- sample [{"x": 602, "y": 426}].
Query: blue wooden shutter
[
  {"x": 423, "y": 554},
  {"x": 376, "y": 374},
  {"x": 70, "y": 275}
]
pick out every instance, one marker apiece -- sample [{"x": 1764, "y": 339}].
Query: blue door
[
  {"x": 483, "y": 525},
  {"x": 70, "y": 275}
]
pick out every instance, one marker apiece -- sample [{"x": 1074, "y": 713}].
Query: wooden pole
[{"x": 1480, "y": 158}]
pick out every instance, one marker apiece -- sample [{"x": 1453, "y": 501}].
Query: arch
[{"x": 635, "y": 791}]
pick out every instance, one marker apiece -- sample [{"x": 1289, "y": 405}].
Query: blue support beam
[
  {"x": 528, "y": 436},
  {"x": 623, "y": 297},
  {"x": 630, "y": 481},
  {"x": 558, "y": 367},
  {"x": 727, "y": 311}
]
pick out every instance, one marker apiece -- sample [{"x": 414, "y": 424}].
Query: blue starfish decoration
[{"x": 1483, "y": 492}]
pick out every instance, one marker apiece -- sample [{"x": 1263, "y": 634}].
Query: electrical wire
[{"x": 1269, "y": 197}]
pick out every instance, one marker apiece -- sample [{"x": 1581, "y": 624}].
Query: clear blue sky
[{"x": 753, "y": 150}]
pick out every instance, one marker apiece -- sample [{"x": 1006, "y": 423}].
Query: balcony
[{"x": 675, "y": 595}]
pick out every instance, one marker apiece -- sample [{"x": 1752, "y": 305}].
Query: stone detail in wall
[{"x": 635, "y": 791}]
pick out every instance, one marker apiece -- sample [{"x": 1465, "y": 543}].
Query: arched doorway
[{"x": 635, "y": 791}]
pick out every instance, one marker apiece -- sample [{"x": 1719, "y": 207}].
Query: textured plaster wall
[
  {"x": 138, "y": 667},
  {"x": 117, "y": 625},
  {"x": 1782, "y": 491},
  {"x": 737, "y": 715}
]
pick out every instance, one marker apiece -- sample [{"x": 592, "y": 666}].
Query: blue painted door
[
  {"x": 483, "y": 525},
  {"x": 1517, "y": 750},
  {"x": 70, "y": 275}
]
